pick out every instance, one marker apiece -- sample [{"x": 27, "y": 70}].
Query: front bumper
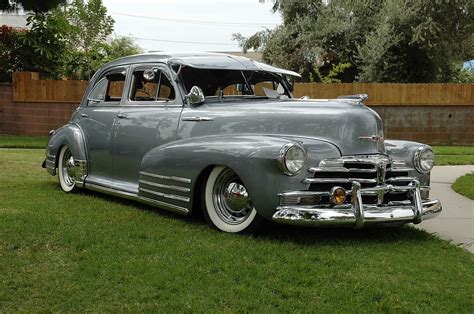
[{"x": 357, "y": 215}]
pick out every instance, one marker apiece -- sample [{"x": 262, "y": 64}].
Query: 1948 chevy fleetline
[{"x": 221, "y": 133}]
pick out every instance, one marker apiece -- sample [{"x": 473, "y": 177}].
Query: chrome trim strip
[
  {"x": 400, "y": 179},
  {"x": 109, "y": 191},
  {"x": 159, "y": 176},
  {"x": 338, "y": 180},
  {"x": 303, "y": 193},
  {"x": 170, "y": 207},
  {"x": 401, "y": 169},
  {"x": 139, "y": 198},
  {"x": 170, "y": 196},
  {"x": 340, "y": 169},
  {"x": 197, "y": 119},
  {"x": 165, "y": 186}
]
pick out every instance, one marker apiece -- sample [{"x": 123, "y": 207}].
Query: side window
[
  {"x": 109, "y": 88},
  {"x": 151, "y": 85}
]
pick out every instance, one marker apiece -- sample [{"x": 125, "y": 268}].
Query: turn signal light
[{"x": 338, "y": 195}]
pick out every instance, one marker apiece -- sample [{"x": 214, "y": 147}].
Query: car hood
[{"x": 342, "y": 123}]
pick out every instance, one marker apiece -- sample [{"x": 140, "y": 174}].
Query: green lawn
[
  {"x": 16, "y": 141},
  {"x": 465, "y": 185},
  {"x": 454, "y": 155},
  {"x": 89, "y": 252}
]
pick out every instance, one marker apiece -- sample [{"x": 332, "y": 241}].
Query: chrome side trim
[
  {"x": 165, "y": 186},
  {"x": 170, "y": 196},
  {"x": 197, "y": 119},
  {"x": 139, "y": 198},
  {"x": 170, "y": 207},
  {"x": 171, "y": 178},
  {"x": 110, "y": 191}
]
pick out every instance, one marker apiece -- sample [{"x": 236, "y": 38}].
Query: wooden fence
[
  {"x": 28, "y": 88},
  {"x": 393, "y": 94}
]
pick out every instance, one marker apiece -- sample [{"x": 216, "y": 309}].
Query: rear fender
[{"x": 72, "y": 136}]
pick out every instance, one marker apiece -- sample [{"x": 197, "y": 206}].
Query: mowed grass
[
  {"x": 90, "y": 252},
  {"x": 465, "y": 185},
  {"x": 17, "y": 141},
  {"x": 454, "y": 155}
]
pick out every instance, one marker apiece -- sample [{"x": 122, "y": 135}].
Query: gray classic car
[{"x": 223, "y": 134}]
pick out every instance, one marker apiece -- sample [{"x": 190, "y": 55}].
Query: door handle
[
  {"x": 121, "y": 116},
  {"x": 84, "y": 115}
]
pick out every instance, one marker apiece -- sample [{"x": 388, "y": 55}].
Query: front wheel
[
  {"x": 228, "y": 206},
  {"x": 67, "y": 170}
]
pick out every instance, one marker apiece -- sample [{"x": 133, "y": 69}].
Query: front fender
[
  {"x": 405, "y": 151},
  {"x": 252, "y": 157}
]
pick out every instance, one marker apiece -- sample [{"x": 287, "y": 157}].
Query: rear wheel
[
  {"x": 67, "y": 170},
  {"x": 228, "y": 206}
]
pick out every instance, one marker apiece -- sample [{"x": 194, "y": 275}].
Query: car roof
[{"x": 201, "y": 60}]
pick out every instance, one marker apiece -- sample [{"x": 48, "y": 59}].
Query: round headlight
[
  {"x": 424, "y": 159},
  {"x": 291, "y": 159}
]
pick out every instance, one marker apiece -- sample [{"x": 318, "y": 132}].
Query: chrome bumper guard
[{"x": 356, "y": 214}]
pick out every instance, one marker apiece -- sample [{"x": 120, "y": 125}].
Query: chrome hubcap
[
  {"x": 69, "y": 168},
  {"x": 230, "y": 198}
]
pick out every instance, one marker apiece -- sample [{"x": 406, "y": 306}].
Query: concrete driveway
[{"x": 456, "y": 221}]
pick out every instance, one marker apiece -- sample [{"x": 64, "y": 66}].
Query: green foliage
[
  {"x": 384, "y": 41},
  {"x": 45, "y": 44},
  {"x": 331, "y": 77},
  {"x": 70, "y": 41},
  {"x": 90, "y": 27},
  {"x": 10, "y": 44}
]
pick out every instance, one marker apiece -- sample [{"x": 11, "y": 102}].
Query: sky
[{"x": 187, "y": 25}]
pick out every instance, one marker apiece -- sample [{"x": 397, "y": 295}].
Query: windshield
[{"x": 234, "y": 83}]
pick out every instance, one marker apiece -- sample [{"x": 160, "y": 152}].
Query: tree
[
  {"x": 90, "y": 27},
  {"x": 70, "y": 41},
  {"x": 45, "y": 44},
  {"x": 30, "y": 5},
  {"x": 383, "y": 41}
]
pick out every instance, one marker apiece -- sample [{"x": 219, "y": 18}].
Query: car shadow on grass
[{"x": 276, "y": 232}]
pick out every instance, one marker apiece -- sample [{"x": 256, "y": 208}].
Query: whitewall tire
[
  {"x": 67, "y": 170},
  {"x": 227, "y": 205}
]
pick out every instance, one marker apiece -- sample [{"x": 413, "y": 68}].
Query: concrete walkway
[{"x": 456, "y": 221}]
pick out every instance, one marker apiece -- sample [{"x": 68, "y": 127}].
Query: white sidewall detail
[
  {"x": 64, "y": 186},
  {"x": 211, "y": 210}
]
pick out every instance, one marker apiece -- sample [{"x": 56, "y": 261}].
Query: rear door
[
  {"x": 148, "y": 119},
  {"x": 98, "y": 121}
]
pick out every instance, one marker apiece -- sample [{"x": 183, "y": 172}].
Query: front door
[
  {"x": 148, "y": 119},
  {"x": 98, "y": 121}
]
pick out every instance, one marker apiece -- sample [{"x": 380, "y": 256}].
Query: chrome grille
[{"x": 370, "y": 171}]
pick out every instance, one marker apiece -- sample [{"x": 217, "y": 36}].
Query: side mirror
[{"x": 195, "y": 96}]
